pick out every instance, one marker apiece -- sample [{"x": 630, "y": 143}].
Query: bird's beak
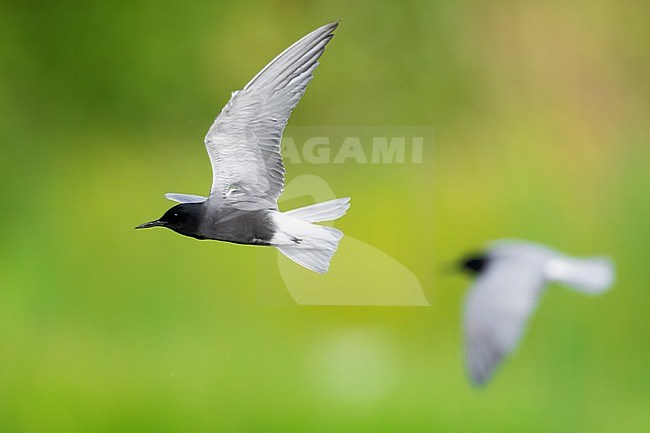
[
  {"x": 150, "y": 224},
  {"x": 449, "y": 268}
]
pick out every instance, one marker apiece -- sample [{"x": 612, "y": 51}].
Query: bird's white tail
[
  {"x": 590, "y": 275},
  {"x": 307, "y": 244}
]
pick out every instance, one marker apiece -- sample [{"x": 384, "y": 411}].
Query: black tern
[
  {"x": 243, "y": 144},
  {"x": 511, "y": 276}
]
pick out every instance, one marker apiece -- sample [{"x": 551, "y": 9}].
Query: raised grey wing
[
  {"x": 244, "y": 141},
  {"x": 497, "y": 309},
  {"x": 184, "y": 198}
]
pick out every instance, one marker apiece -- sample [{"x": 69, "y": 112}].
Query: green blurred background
[{"x": 541, "y": 126}]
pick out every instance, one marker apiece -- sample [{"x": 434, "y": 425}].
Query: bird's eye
[{"x": 175, "y": 215}]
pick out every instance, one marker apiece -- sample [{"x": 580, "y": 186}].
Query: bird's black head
[
  {"x": 474, "y": 263},
  {"x": 183, "y": 218}
]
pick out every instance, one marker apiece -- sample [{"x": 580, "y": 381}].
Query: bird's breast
[{"x": 242, "y": 227}]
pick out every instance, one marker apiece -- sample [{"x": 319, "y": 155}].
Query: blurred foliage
[{"x": 540, "y": 113}]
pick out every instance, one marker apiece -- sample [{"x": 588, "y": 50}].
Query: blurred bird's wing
[
  {"x": 184, "y": 198},
  {"x": 497, "y": 309},
  {"x": 244, "y": 141}
]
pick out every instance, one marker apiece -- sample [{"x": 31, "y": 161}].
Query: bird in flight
[
  {"x": 510, "y": 277},
  {"x": 243, "y": 144}
]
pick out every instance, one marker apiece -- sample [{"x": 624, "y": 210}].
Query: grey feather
[
  {"x": 244, "y": 141},
  {"x": 496, "y": 312},
  {"x": 185, "y": 198}
]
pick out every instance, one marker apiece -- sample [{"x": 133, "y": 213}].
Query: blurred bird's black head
[
  {"x": 183, "y": 218},
  {"x": 474, "y": 263}
]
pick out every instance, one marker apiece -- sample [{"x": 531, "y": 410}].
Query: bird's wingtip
[{"x": 332, "y": 25}]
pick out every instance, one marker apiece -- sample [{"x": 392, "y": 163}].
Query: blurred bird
[
  {"x": 511, "y": 275},
  {"x": 248, "y": 173}
]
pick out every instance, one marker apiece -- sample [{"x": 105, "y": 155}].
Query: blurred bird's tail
[
  {"x": 590, "y": 275},
  {"x": 307, "y": 244}
]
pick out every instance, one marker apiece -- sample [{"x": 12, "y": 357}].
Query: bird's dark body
[
  {"x": 241, "y": 227},
  {"x": 202, "y": 221}
]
